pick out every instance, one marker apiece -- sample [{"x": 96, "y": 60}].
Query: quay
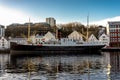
[{"x": 110, "y": 49}]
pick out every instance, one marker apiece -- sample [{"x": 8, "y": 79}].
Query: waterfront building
[
  {"x": 38, "y": 39},
  {"x": 51, "y": 21},
  {"x": 92, "y": 38},
  {"x": 114, "y": 32},
  {"x": 75, "y": 36},
  {"x": 3, "y": 43},
  {"x": 2, "y": 31},
  {"x": 104, "y": 39},
  {"x": 49, "y": 36}
]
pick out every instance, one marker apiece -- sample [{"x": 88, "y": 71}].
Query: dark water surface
[{"x": 97, "y": 66}]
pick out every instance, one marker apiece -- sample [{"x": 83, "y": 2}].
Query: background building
[
  {"x": 102, "y": 30},
  {"x": 114, "y": 33},
  {"x": 2, "y": 31},
  {"x": 51, "y": 21}
]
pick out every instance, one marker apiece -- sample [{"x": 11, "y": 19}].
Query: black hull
[{"x": 17, "y": 48}]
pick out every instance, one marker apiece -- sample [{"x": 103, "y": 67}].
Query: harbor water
[{"x": 96, "y": 66}]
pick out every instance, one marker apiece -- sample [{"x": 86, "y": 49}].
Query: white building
[
  {"x": 51, "y": 21},
  {"x": 92, "y": 38},
  {"x": 75, "y": 36},
  {"x": 104, "y": 39},
  {"x": 49, "y": 36},
  {"x": 3, "y": 43},
  {"x": 37, "y": 39}
]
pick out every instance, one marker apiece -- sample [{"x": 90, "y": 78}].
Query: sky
[{"x": 64, "y": 11}]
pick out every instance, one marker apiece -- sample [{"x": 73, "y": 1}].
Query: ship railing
[
  {"x": 91, "y": 42},
  {"x": 52, "y": 42},
  {"x": 60, "y": 42}
]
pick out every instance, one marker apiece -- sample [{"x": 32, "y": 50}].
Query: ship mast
[
  {"x": 28, "y": 32},
  {"x": 56, "y": 31},
  {"x": 87, "y": 27},
  {"x": 88, "y": 65}
]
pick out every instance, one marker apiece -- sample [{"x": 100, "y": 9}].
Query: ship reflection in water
[{"x": 104, "y": 66}]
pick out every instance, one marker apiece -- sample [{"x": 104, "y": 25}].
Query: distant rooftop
[
  {"x": 114, "y": 22},
  {"x": 2, "y": 26}
]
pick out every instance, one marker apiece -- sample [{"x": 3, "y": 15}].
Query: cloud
[
  {"x": 104, "y": 22},
  {"x": 9, "y": 16}
]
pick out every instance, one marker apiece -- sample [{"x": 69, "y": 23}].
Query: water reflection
[
  {"x": 115, "y": 65},
  {"x": 85, "y": 66},
  {"x": 104, "y": 66},
  {"x": 74, "y": 63}
]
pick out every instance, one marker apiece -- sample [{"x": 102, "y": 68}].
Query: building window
[
  {"x": 111, "y": 34},
  {"x": 103, "y": 36},
  {"x": 3, "y": 45},
  {"x": 119, "y": 39},
  {"x": 118, "y": 34}
]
